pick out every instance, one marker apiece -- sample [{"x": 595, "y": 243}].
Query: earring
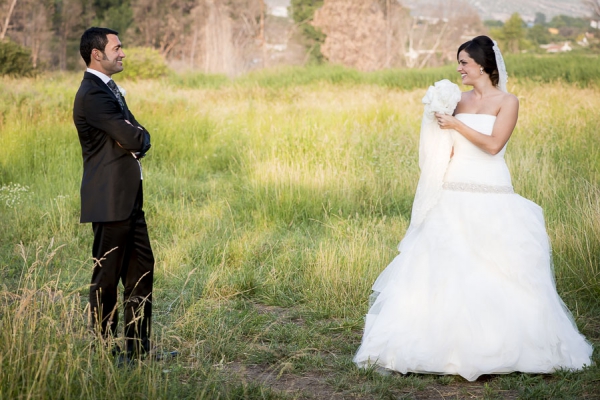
[{"x": 480, "y": 70}]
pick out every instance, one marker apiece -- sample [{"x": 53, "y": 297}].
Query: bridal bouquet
[{"x": 441, "y": 98}]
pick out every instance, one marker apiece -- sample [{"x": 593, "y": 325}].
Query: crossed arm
[{"x": 103, "y": 113}]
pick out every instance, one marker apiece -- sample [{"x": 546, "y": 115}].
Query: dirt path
[{"x": 326, "y": 385}]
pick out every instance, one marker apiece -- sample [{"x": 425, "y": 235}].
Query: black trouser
[{"x": 122, "y": 251}]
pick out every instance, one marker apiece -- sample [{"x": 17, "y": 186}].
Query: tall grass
[
  {"x": 273, "y": 203},
  {"x": 47, "y": 352},
  {"x": 579, "y": 69}
]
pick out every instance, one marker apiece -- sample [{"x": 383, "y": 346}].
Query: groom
[{"x": 112, "y": 144}]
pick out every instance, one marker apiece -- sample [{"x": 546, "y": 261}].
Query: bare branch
[
  {"x": 7, "y": 20},
  {"x": 593, "y": 6}
]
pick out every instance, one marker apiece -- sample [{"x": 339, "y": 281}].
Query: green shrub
[
  {"x": 15, "y": 60},
  {"x": 580, "y": 69},
  {"x": 143, "y": 63}
]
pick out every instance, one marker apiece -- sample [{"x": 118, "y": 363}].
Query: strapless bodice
[{"x": 470, "y": 164}]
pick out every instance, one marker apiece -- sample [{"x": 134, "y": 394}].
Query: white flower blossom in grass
[{"x": 12, "y": 194}]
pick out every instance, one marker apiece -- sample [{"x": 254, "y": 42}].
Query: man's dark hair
[{"x": 94, "y": 38}]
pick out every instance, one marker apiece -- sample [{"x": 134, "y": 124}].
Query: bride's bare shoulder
[
  {"x": 465, "y": 97},
  {"x": 510, "y": 100}
]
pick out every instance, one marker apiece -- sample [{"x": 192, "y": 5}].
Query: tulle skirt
[{"x": 472, "y": 292}]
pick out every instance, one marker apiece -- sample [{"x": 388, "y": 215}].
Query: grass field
[{"x": 273, "y": 203}]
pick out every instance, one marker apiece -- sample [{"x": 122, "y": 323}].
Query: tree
[
  {"x": 119, "y": 18},
  {"x": 32, "y": 27},
  {"x": 114, "y": 14},
  {"x": 565, "y": 21},
  {"x": 432, "y": 39},
  {"x": 161, "y": 24},
  {"x": 540, "y": 19},
  {"x": 219, "y": 36},
  {"x": 355, "y": 33},
  {"x": 303, "y": 12},
  {"x": 375, "y": 34},
  {"x": 6, "y": 22},
  {"x": 493, "y": 23},
  {"x": 463, "y": 20},
  {"x": 67, "y": 17},
  {"x": 594, "y": 7},
  {"x": 538, "y": 34},
  {"x": 513, "y": 33},
  {"x": 15, "y": 60}
]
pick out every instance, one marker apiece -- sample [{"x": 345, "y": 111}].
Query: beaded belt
[{"x": 477, "y": 188}]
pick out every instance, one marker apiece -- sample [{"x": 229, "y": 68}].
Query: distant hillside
[{"x": 501, "y": 10}]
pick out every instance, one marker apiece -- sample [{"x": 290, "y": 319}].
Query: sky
[{"x": 278, "y": 8}]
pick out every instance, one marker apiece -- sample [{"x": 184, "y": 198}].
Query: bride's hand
[{"x": 445, "y": 121}]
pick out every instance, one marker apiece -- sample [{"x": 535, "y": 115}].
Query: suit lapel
[{"x": 101, "y": 84}]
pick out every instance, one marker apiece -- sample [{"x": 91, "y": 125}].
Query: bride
[{"x": 472, "y": 291}]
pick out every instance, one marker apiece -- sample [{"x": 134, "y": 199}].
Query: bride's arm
[{"x": 503, "y": 127}]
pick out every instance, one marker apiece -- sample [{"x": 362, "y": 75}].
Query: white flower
[
  {"x": 12, "y": 194},
  {"x": 121, "y": 90},
  {"x": 441, "y": 98}
]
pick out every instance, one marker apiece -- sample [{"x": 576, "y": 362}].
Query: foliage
[
  {"x": 120, "y": 18},
  {"x": 540, "y": 18},
  {"x": 493, "y": 23},
  {"x": 515, "y": 36},
  {"x": 561, "y": 21},
  {"x": 15, "y": 60},
  {"x": 512, "y": 33},
  {"x": 538, "y": 34},
  {"x": 579, "y": 69},
  {"x": 593, "y": 7},
  {"x": 114, "y": 14},
  {"x": 143, "y": 63},
  {"x": 221, "y": 36},
  {"x": 303, "y": 12}
]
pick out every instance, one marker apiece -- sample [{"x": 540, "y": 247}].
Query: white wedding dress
[{"x": 472, "y": 291}]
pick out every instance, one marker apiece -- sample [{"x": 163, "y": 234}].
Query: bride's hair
[{"x": 481, "y": 50}]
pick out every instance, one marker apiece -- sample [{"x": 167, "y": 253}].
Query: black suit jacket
[{"x": 111, "y": 175}]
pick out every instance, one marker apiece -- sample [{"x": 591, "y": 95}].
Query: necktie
[{"x": 113, "y": 87}]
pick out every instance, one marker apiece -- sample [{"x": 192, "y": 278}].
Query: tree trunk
[
  {"x": 388, "y": 34},
  {"x": 193, "y": 49},
  {"x": 7, "y": 20},
  {"x": 62, "y": 52},
  {"x": 263, "y": 43},
  {"x": 594, "y": 7}
]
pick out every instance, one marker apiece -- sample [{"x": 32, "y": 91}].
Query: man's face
[{"x": 111, "y": 58}]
